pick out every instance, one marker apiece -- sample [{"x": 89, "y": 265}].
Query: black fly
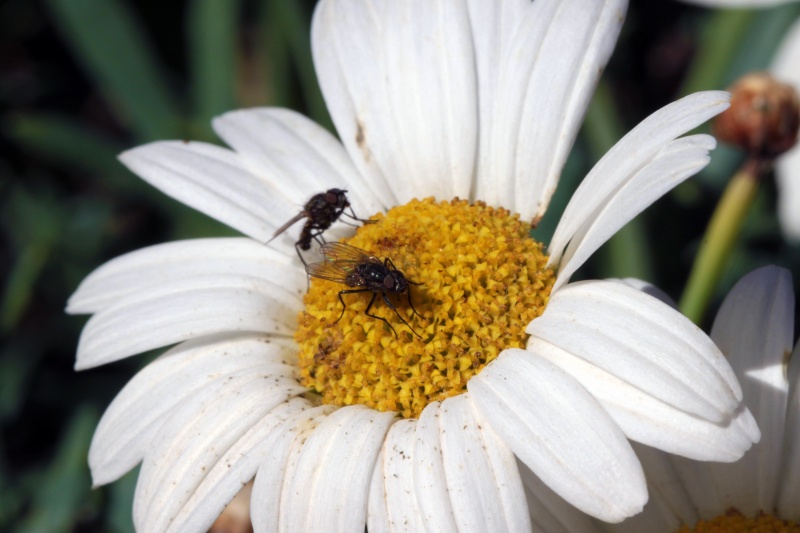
[
  {"x": 356, "y": 268},
  {"x": 320, "y": 212}
]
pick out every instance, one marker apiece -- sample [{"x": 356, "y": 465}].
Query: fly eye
[
  {"x": 331, "y": 198},
  {"x": 388, "y": 282}
]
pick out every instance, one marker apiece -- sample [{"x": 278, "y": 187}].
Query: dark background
[{"x": 82, "y": 80}]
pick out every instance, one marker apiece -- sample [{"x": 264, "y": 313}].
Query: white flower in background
[
  {"x": 786, "y": 68},
  {"x": 754, "y": 328},
  {"x": 761, "y": 492},
  {"x": 478, "y": 100}
]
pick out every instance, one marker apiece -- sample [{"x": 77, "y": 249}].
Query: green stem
[{"x": 719, "y": 240}]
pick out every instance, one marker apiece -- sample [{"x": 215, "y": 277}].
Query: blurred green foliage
[{"x": 81, "y": 80}]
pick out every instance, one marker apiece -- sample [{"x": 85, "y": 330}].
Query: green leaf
[
  {"x": 763, "y": 36},
  {"x": 271, "y": 63},
  {"x": 120, "y": 512},
  {"x": 213, "y": 36},
  {"x": 64, "y": 488},
  {"x": 18, "y": 361},
  {"x": 35, "y": 223},
  {"x": 67, "y": 142},
  {"x": 721, "y": 38},
  {"x": 294, "y": 24},
  {"x": 20, "y": 282},
  {"x": 107, "y": 39}
]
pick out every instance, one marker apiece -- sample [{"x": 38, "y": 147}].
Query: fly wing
[
  {"x": 336, "y": 252},
  {"x": 295, "y": 219},
  {"x": 331, "y": 270}
]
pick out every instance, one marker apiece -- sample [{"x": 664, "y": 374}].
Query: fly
[
  {"x": 355, "y": 268},
  {"x": 320, "y": 212}
]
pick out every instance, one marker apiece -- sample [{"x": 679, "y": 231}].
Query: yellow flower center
[
  {"x": 735, "y": 522},
  {"x": 482, "y": 279}
]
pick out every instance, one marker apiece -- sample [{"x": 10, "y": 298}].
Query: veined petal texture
[
  {"x": 628, "y": 156},
  {"x": 186, "y": 309},
  {"x": 133, "y": 419},
  {"x": 214, "y": 181},
  {"x": 643, "y": 342},
  {"x": 547, "y": 75},
  {"x": 402, "y": 94},
  {"x": 295, "y": 155},
  {"x": 554, "y": 426},
  {"x": 161, "y": 265}
]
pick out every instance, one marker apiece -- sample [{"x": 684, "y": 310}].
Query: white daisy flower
[
  {"x": 345, "y": 423},
  {"x": 760, "y": 492}
]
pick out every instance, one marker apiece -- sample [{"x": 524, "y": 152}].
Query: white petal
[
  {"x": 327, "y": 489},
  {"x": 235, "y": 468},
  {"x": 786, "y": 68},
  {"x": 281, "y": 449},
  {"x": 560, "y": 431},
  {"x": 630, "y": 154},
  {"x": 193, "y": 438},
  {"x": 377, "y": 503},
  {"x": 164, "y": 264},
  {"x": 679, "y": 160},
  {"x": 549, "y": 512},
  {"x": 397, "y": 479},
  {"x": 754, "y": 329},
  {"x": 493, "y": 26},
  {"x": 185, "y": 309},
  {"x": 789, "y": 495},
  {"x": 507, "y": 478},
  {"x": 650, "y": 421},
  {"x": 295, "y": 155},
  {"x": 547, "y": 78},
  {"x": 399, "y": 81},
  {"x": 485, "y": 489},
  {"x": 641, "y": 341},
  {"x": 212, "y": 180},
  {"x": 787, "y": 57},
  {"x": 787, "y": 168},
  {"x": 131, "y": 422},
  {"x": 648, "y": 288},
  {"x": 429, "y": 475}
]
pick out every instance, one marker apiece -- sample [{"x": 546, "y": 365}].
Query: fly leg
[
  {"x": 371, "y": 302},
  {"x": 393, "y": 308},
  {"x": 318, "y": 237},
  {"x": 353, "y": 291},
  {"x": 352, "y": 214},
  {"x": 297, "y": 247},
  {"x": 410, "y": 303}
]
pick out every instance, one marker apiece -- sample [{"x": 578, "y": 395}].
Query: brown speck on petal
[{"x": 361, "y": 141}]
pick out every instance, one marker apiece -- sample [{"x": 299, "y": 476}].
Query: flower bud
[{"x": 763, "y": 117}]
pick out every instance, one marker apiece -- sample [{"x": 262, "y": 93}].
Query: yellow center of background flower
[
  {"x": 735, "y": 522},
  {"x": 482, "y": 280}
]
